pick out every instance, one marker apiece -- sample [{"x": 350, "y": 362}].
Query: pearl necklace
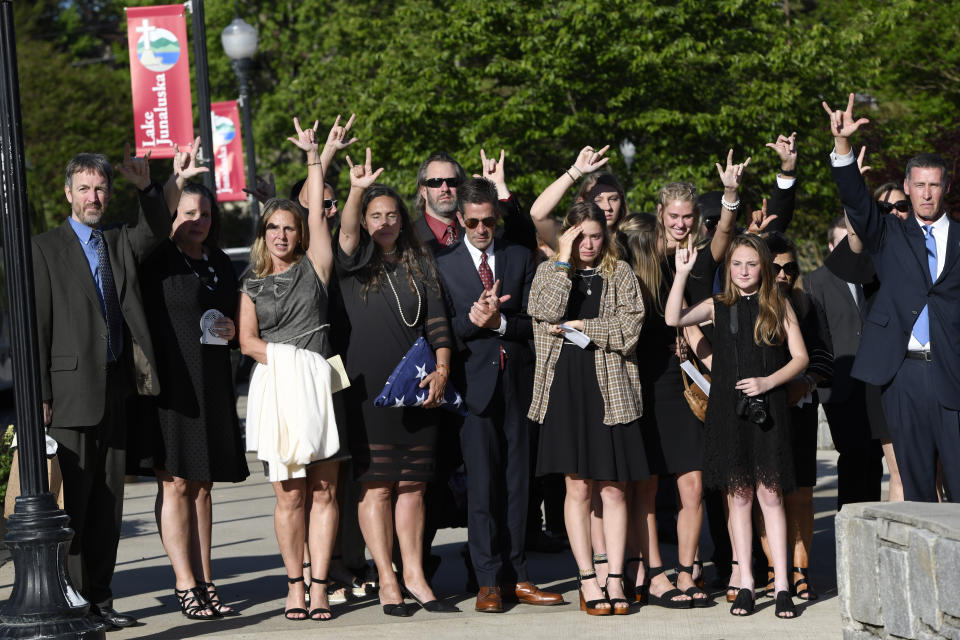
[{"x": 397, "y": 298}]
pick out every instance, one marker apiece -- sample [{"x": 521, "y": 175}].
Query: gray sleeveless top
[{"x": 292, "y": 307}]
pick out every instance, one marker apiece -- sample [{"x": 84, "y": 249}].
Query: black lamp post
[
  {"x": 240, "y": 43},
  {"x": 43, "y": 603},
  {"x": 203, "y": 94}
]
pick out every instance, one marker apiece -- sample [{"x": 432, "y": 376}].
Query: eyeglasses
[
  {"x": 473, "y": 223},
  {"x": 329, "y": 204},
  {"x": 791, "y": 269},
  {"x": 887, "y": 207},
  {"x": 436, "y": 183}
]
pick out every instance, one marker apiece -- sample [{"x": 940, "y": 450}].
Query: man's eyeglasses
[
  {"x": 472, "y": 223},
  {"x": 329, "y": 204},
  {"x": 791, "y": 269},
  {"x": 436, "y": 183},
  {"x": 887, "y": 207}
]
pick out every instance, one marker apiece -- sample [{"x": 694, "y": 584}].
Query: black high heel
[
  {"x": 785, "y": 605},
  {"x": 744, "y": 600},
  {"x": 432, "y": 606},
  {"x": 287, "y": 612},
  {"x": 617, "y": 611},
  {"x": 192, "y": 602},
  {"x": 591, "y": 606},
  {"x": 665, "y": 599},
  {"x": 639, "y": 590},
  {"x": 803, "y": 594},
  {"x": 319, "y": 610},
  {"x": 771, "y": 578},
  {"x": 213, "y": 600},
  {"x": 732, "y": 590},
  {"x": 704, "y": 600}
]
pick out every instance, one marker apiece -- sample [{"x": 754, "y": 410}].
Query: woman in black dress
[
  {"x": 748, "y": 439},
  {"x": 392, "y": 295},
  {"x": 284, "y": 300},
  {"x": 588, "y": 399},
  {"x": 816, "y": 337},
  {"x": 194, "y": 433}
]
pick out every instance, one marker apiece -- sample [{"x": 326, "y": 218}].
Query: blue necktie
[
  {"x": 921, "y": 329},
  {"x": 111, "y": 303}
]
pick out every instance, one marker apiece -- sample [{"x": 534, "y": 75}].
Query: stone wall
[{"x": 898, "y": 570}]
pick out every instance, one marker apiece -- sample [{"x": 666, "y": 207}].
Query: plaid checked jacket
[{"x": 615, "y": 332}]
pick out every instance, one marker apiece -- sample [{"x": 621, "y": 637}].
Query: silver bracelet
[{"x": 729, "y": 206}]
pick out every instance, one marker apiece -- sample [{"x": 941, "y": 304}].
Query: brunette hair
[
  {"x": 583, "y": 211},
  {"x": 92, "y": 162},
  {"x": 595, "y": 181},
  {"x": 420, "y": 203},
  {"x": 260, "y": 263},
  {"x": 639, "y": 233},
  {"x": 415, "y": 259},
  {"x": 884, "y": 190},
  {"x": 196, "y": 189},
  {"x": 769, "y": 328}
]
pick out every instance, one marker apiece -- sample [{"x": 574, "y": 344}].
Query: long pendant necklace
[
  {"x": 397, "y": 298},
  {"x": 587, "y": 278},
  {"x": 206, "y": 261}
]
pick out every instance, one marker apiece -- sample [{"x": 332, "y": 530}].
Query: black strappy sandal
[
  {"x": 592, "y": 606},
  {"x": 617, "y": 611},
  {"x": 665, "y": 599},
  {"x": 192, "y": 602},
  {"x": 804, "y": 594},
  {"x": 771, "y": 577},
  {"x": 213, "y": 600},
  {"x": 704, "y": 600},
  {"x": 319, "y": 610},
  {"x": 287, "y": 612}
]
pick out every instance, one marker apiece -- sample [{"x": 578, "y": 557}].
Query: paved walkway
[{"x": 250, "y": 576}]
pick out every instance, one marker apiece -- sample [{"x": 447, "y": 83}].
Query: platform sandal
[
  {"x": 665, "y": 599},
  {"x": 639, "y": 591},
  {"x": 617, "y": 611},
  {"x": 592, "y": 606},
  {"x": 694, "y": 591},
  {"x": 732, "y": 590}
]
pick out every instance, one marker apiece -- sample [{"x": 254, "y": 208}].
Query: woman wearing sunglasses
[{"x": 802, "y": 399}]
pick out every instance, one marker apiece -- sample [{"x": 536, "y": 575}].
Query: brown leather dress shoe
[
  {"x": 489, "y": 601},
  {"x": 529, "y": 593}
]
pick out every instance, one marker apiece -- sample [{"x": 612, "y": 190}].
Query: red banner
[
  {"x": 227, "y": 151},
  {"x": 160, "y": 79}
]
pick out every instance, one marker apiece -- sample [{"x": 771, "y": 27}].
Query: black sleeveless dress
[{"x": 739, "y": 453}]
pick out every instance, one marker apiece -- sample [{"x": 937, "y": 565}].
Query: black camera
[{"x": 753, "y": 409}]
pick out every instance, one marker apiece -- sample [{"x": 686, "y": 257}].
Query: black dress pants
[{"x": 860, "y": 465}]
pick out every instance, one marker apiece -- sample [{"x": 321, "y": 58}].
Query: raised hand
[
  {"x": 306, "y": 138},
  {"x": 842, "y": 123},
  {"x": 590, "y": 160},
  {"x": 565, "y": 244},
  {"x": 861, "y": 157},
  {"x": 733, "y": 173},
  {"x": 337, "y": 137},
  {"x": 264, "y": 189},
  {"x": 491, "y": 168},
  {"x": 759, "y": 220},
  {"x": 685, "y": 259},
  {"x": 134, "y": 169},
  {"x": 363, "y": 175},
  {"x": 786, "y": 148},
  {"x": 185, "y": 163}
]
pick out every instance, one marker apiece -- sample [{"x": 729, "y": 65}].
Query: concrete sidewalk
[{"x": 250, "y": 576}]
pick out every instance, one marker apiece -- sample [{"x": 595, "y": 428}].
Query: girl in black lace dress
[
  {"x": 392, "y": 296},
  {"x": 757, "y": 349}
]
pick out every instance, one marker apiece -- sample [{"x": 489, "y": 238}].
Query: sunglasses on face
[
  {"x": 473, "y": 223},
  {"x": 791, "y": 269},
  {"x": 329, "y": 204},
  {"x": 887, "y": 207},
  {"x": 436, "y": 183}
]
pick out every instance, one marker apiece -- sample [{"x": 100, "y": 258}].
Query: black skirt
[{"x": 573, "y": 438}]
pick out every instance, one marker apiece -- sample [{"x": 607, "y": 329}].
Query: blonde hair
[
  {"x": 583, "y": 211},
  {"x": 261, "y": 265},
  {"x": 639, "y": 232},
  {"x": 769, "y": 328},
  {"x": 682, "y": 192}
]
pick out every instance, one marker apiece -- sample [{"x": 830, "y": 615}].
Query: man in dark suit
[
  {"x": 859, "y": 469},
  {"x": 91, "y": 329},
  {"x": 911, "y": 337},
  {"x": 487, "y": 283}
]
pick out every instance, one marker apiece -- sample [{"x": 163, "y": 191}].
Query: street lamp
[
  {"x": 629, "y": 151},
  {"x": 240, "y": 43}
]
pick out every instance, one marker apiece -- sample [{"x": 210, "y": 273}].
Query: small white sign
[
  {"x": 207, "y": 320},
  {"x": 694, "y": 374}
]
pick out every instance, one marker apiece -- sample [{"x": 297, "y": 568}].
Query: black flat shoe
[
  {"x": 744, "y": 601},
  {"x": 785, "y": 605},
  {"x": 398, "y": 610},
  {"x": 432, "y": 606},
  {"x": 665, "y": 599}
]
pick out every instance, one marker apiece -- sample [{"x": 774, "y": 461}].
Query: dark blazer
[
  {"x": 899, "y": 256},
  {"x": 70, "y": 322},
  {"x": 476, "y": 365},
  {"x": 845, "y": 324},
  {"x": 782, "y": 203},
  {"x": 518, "y": 228}
]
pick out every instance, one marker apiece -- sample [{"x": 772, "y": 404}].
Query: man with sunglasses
[
  {"x": 487, "y": 283},
  {"x": 911, "y": 336}
]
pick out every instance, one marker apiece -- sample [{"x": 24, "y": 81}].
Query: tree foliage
[{"x": 683, "y": 80}]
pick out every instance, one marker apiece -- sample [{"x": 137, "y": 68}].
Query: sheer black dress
[
  {"x": 388, "y": 444},
  {"x": 739, "y": 453}
]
